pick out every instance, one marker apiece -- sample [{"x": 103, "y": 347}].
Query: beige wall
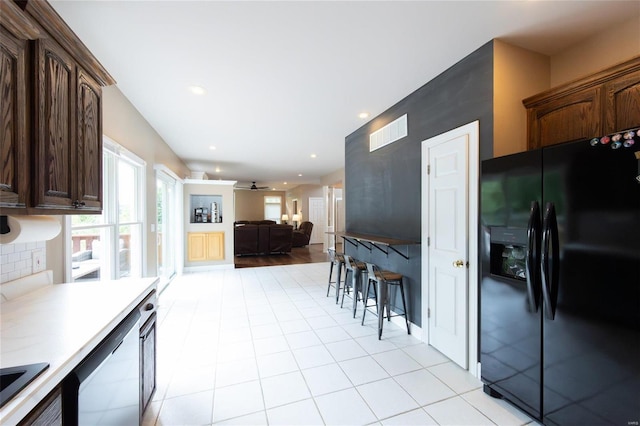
[
  {"x": 517, "y": 74},
  {"x": 302, "y": 194},
  {"x": 335, "y": 179},
  {"x": 224, "y": 189},
  {"x": 250, "y": 204},
  {"x": 610, "y": 46}
]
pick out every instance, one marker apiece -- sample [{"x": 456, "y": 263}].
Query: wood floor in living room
[{"x": 309, "y": 254}]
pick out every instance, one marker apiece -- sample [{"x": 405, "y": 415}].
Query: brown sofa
[
  {"x": 262, "y": 238},
  {"x": 302, "y": 235}
]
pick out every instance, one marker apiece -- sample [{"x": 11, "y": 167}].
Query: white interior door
[
  {"x": 446, "y": 256},
  {"x": 317, "y": 217}
]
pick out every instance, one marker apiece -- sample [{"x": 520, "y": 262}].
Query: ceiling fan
[{"x": 253, "y": 187}]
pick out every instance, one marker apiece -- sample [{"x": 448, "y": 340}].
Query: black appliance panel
[
  {"x": 592, "y": 320},
  {"x": 510, "y": 326}
]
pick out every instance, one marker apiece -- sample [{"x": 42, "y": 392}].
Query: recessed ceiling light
[
  {"x": 217, "y": 169},
  {"x": 363, "y": 115},
  {"x": 313, "y": 156},
  {"x": 212, "y": 148},
  {"x": 197, "y": 90},
  {"x": 273, "y": 189},
  {"x": 299, "y": 174},
  {"x": 284, "y": 183}
]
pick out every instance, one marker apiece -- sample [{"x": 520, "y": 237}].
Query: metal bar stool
[
  {"x": 383, "y": 280},
  {"x": 357, "y": 270},
  {"x": 338, "y": 260}
]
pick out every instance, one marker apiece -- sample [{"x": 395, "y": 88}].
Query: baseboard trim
[{"x": 204, "y": 268}]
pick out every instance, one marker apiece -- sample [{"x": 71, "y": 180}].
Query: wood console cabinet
[
  {"x": 51, "y": 114},
  {"x": 203, "y": 246},
  {"x": 605, "y": 102},
  {"x": 48, "y": 412}
]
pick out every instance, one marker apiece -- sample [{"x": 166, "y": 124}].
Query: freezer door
[
  {"x": 510, "y": 322},
  {"x": 591, "y": 324}
]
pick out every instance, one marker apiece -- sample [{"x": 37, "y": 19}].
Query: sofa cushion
[
  {"x": 262, "y": 239},
  {"x": 280, "y": 238},
  {"x": 245, "y": 239}
]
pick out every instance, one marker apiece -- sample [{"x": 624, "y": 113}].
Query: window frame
[{"x": 110, "y": 225}]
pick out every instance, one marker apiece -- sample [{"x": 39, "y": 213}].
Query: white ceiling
[{"x": 285, "y": 80}]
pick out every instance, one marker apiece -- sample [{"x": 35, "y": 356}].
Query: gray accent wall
[{"x": 383, "y": 188}]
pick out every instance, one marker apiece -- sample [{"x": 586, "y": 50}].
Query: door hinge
[
  {"x": 428, "y": 241},
  {"x": 428, "y": 312},
  {"x": 428, "y": 169}
]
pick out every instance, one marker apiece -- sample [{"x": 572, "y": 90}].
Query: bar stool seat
[
  {"x": 356, "y": 270},
  {"x": 337, "y": 259},
  {"x": 382, "y": 280}
]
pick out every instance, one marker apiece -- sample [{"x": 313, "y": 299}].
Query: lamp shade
[
  {"x": 285, "y": 217},
  {"x": 297, "y": 217}
]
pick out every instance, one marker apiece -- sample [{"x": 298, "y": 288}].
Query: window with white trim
[
  {"x": 110, "y": 245},
  {"x": 273, "y": 208}
]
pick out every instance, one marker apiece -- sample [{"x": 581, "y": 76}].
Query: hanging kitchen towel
[{"x": 29, "y": 229}]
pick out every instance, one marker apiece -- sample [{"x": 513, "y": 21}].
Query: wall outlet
[{"x": 37, "y": 258}]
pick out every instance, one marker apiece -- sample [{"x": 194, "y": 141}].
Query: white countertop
[{"x": 60, "y": 324}]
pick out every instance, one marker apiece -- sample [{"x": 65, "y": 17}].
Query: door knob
[{"x": 458, "y": 263}]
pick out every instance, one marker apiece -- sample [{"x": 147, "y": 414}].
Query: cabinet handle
[
  {"x": 149, "y": 307},
  {"x": 77, "y": 204}
]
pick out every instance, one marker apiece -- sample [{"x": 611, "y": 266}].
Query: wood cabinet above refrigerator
[
  {"x": 605, "y": 102},
  {"x": 51, "y": 118}
]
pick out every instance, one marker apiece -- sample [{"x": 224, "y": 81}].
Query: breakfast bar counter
[{"x": 375, "y": 241}]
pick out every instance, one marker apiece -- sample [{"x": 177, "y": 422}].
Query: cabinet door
[
  {"x": 89, "y": 142},
  {"x": 215, "y": 245},
  {"x": 47, "y": 413},
  {"x": 148, "y": 362},
  {"x": 196, "y": 247},
  {"x": 622, "y": 104},
  {"x": 55, "y": 153},
  {"x": 14, "y": 171},
  {"x": 567, "y": 118}
]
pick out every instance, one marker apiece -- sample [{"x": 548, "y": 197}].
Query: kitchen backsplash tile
[{"x": 16, "y": 259}]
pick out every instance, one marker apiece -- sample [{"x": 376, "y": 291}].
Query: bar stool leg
[
  {"x": 330, "y": 273},
  {"x": 366, "y": 298},
  {"x": 345, "y": 288},
  {"x": 382, "y": 301},
  {"x": 404, "y": 306},
  {"x": 338, "y": 281},
  {"x": 356, "y": 285}
]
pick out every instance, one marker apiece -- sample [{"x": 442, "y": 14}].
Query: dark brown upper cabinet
[
  {"x": 606, "y": 102},
  {"x": 51, "y": 123},
  {"x": 13, "y": 113}
]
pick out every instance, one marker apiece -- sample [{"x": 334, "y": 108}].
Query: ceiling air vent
[{"x": 393, "y": 131}]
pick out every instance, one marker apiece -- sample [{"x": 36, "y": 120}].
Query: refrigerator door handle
[
  {"x": 549, "y": 264},
  {"x": 533, "y": 254}
]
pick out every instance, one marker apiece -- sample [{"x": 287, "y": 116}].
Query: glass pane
[
  {"x": 90, "y": 254},
  {"x": 86, "y": 219},
  {"x": 272, "y": 212},
  {"x": 130, "y": 251},
  {"x": 127, "y": 189}
]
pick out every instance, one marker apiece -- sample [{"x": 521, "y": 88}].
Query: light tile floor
[{"x": 265, "y": 346}]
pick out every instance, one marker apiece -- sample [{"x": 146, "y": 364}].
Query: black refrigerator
[{"x": 560, "y": 281}]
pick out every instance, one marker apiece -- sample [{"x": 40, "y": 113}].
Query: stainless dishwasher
[{"x": 105, "y": 387}]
